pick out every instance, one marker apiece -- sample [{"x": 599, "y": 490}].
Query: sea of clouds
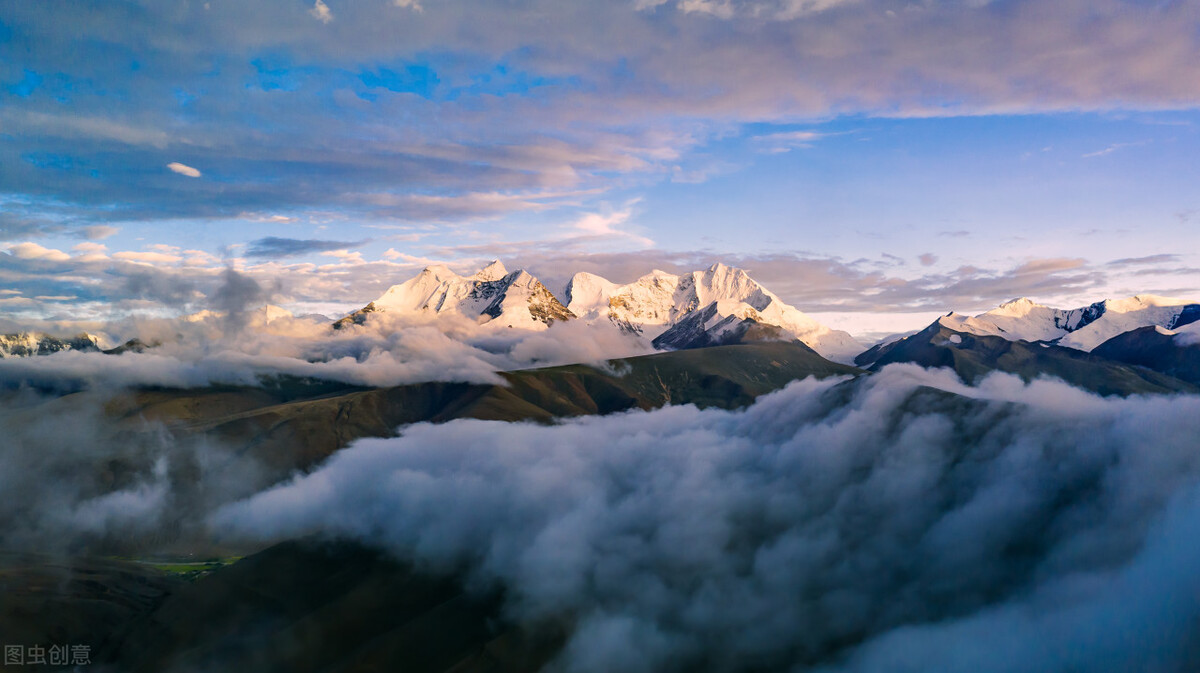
[
  {"x": 902, "y": 521},
  {"x": 899, "y": 522}
]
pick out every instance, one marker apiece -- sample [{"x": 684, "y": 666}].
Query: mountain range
[
  {"x": 1142, "y": 344},
  {"x": 723, "y": 305},
  {"x": 661, "y": 307},
  {"x": 1081, "y": 328},
  {"x": 322, "y": 605}
]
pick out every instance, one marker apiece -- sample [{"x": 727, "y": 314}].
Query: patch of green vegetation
[{"x": 187, "y": 570}]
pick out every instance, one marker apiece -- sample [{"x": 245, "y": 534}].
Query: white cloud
[
  {"x": 345, "y": 256},
  {"x": 183, "y": 169},
  {"x": 607, "y": 225},
  {"x": 796, "y": 8},
  {"x": 147, "y": 257},
  {"x": 89, "y": 248},
  {"x": 722, "y": 9},
  {"x": 30, "y": 250},
  {"x": 320, "y": 12},
  {"x": 414, "y": 5}
]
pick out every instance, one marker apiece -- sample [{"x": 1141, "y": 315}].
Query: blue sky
[{"x": 858, "y": 156}]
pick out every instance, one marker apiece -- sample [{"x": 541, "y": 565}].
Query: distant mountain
[
  {"x": 26, "y": 344},
  {"x": 734, "y": 306},
  {"x": 492, "y": 296},
  {"x": 1080, "y": 328},
  {"x": 973, "y": 356},
  {"x": 659, "y": 301},
  {"x": 1172, "y": 352}
]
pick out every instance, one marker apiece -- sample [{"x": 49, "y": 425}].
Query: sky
[{"x": 873, "y": 162}]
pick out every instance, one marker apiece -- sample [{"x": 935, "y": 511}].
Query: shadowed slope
[
  {"x": 972, "y": 357},
  {"x": 313, "y": 606},
  {"x": 286, "y": 434},
  {"x": 1149, "y": 347}
]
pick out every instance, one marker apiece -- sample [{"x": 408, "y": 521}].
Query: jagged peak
[
  {"x": 521, "y": 277},
  {"x": 493, "y": 271},
  {"x": 1018, "y": 307},
  {"x": 585, "y": 278},
  {"x": 721, "y": 269},
  {"x": 1020, "y": 301},
  {"x": 587, "y": 275},
  {"x": 439, "y": 272}
]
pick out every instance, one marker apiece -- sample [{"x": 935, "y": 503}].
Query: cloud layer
[
  {"x": 904, "y": 522},
  {"x": 296, "y": 108},
  {"x": 101, "y": 484}
]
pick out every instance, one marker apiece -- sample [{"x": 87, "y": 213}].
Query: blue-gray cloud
[
  {"x": 386, "y": 112},
  {"x": 274, "y": 247}
]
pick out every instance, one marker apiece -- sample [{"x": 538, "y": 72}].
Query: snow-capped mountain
[
  {"x": 729, "y": 301},
  {"x": 26, "y": 344},
  {"x": 491, "y": 296},
  {"x": 1082, "y": 328},
  {"x": 723, "y": 322},
  {"x": 658, "y": 301}
]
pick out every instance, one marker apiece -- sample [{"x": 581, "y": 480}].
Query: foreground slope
[{"x": 312, "y": 606}]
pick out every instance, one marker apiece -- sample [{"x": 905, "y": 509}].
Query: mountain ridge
[
  {"x": 646, "y": 308},
  {"x": 1082, "y": 328}
]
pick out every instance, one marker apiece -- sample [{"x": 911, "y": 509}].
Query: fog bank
[{"x": 900, "y": 522}]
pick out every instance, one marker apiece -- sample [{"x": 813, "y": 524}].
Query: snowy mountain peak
[
  {"x": 493, "y": 271},
  {"x": 1142, "y": 301},
  {"x": 587, "y": 291},
  {"x": 731, "y": 302},
  {"x": 725, "y": 321},
  {"x": 1082, "y": 328},
  {"x": 492, "y": 295},
  {"x": 438, "y": 272},
  {"x": 1018, "y": 306},
  {"x": 658, "y": 301},
  {"x": 27, "y": 344}
]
